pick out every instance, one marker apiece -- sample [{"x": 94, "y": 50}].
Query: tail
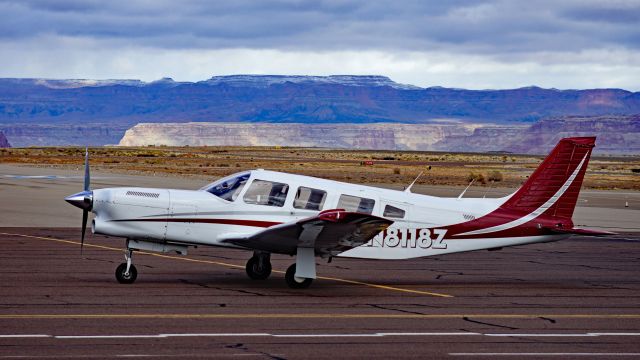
[
  {"x": 553, "y": 189},
  {"x": 544, "y": 204}
]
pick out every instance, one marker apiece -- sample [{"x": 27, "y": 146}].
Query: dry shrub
[
  {"x": 494, "y": 175},
  {"x": 477, "y": 177}
]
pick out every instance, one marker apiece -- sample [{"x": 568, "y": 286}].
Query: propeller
[{"x": 83, "y": 199}]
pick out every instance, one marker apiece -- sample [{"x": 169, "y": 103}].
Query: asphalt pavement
[{"x": 578, "y": 298}]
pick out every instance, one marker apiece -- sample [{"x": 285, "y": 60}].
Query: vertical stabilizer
[{"x": 554, "y": 187}]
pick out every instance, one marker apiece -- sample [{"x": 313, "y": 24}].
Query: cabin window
[
  {"x": 393, "y": 212},
  {"x": 356, "y": 204},
  {"x": 262, "y": 192},
  {"x": 228, "y": 188},
  {"x": 309, "y": 199}
]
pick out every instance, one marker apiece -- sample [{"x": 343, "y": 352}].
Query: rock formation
[
  {"x": 23, "y": 135},
  {"x": 616, "y": 135},
  {"x": 97, "y": 112}
]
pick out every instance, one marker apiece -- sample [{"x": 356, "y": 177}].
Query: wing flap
[{"x": 330, "y": 232}]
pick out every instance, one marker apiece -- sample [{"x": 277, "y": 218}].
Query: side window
[
  {"x": 393, "y": 212},
  {"x": 356, "y": 204},
  {"x": 269, "y": 193},
  {"x": 309, "y": 199}
]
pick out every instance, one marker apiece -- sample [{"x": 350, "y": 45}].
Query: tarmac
[
  {"x": 571, "y": 299},
  {"x": 577, "y": 298}
]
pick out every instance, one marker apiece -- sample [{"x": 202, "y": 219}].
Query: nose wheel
[
  {"x": 259, "y": 266},
  {"x": 126, "y": 273}
]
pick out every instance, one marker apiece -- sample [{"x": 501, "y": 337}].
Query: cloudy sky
[{"x": 468, "y": 43}]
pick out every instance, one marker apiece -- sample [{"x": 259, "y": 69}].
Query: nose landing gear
[{"x": 126, "y": 273}]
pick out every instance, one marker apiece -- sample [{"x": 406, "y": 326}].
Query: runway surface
[{"x": 579, "y": 298}]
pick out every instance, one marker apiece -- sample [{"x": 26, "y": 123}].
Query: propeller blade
[
  {"x": 88, "y": 200},
  {"x": 87, "y": 176},
  {"x": 85, "y": 216}
]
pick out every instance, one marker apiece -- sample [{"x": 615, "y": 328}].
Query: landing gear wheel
[
  {"x": 296, "y": 282},
  {"x": 256, "y": 270},
  {"x": 123, "y": 277}
]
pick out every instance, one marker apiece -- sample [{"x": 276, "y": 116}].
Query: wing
[{"x": 329, "y": 233}]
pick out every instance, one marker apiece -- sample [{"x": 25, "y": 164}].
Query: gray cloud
[
  {"x": 466, "y": 43},
  {"x": 463, "y": 26}
]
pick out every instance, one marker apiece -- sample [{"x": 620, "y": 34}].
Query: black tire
[
  {"x": 290, "y": 277},
  {"x": 126, "y": 279},
  {"x": 256, "y": 272}
]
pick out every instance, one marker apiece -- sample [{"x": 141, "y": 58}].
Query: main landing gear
[
  {"x": 259, "y": 266},
  {"x": 126, "y": 273},
  {"x": 301, "y": 274},
  {"x": 295, "y": 282}
]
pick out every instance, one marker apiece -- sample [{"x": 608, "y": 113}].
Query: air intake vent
[{"x": 143, "y": 194}]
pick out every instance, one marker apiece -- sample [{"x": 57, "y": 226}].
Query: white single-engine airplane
[{"x": 271, "y": 212}]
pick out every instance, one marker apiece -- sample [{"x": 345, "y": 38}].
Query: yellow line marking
[
  {"x": 319, "y": 316},
  {"x": 235, "y": 266}
]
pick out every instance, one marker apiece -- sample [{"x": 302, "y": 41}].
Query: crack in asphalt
[
  {"x": 394, "y": 309},
  {"x": 465, "y": 318},
  {"x": 446, "y": 273},
  {"x": 243, "y": 347},
  {"x": 603, "y": 286},
  {"x": 342, "y": 267},
  {"x": 184, "y": 281},
  {"x": 548, "y": 319},
  {"x": 595, "y": 267},
  {"x": 195, "y": 283}
]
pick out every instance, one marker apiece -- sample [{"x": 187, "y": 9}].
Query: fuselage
[{"x": 266, "y": 198}]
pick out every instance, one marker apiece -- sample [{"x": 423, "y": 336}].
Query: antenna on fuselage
[
  {"x": 465, "y": 189},
  {"x": 408, "y": 189}
]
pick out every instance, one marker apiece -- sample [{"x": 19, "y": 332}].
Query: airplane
[{"x": 273, "y": 212}]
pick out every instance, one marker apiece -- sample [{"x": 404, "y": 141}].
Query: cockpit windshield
[{"x": 228, "y": 188}]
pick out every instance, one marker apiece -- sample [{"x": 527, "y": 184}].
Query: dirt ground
[{"x": 372, "y": 167}]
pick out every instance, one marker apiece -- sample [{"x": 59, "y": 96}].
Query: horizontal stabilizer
[{"x": 585, "y": 232}]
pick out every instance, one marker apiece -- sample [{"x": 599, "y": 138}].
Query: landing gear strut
[
  {"x": 126, "y": 273},
  {"x": 259, "y": 266},
  {"x": 301, "y": 274}
]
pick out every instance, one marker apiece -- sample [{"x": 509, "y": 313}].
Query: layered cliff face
[
  {"x": 616, "y": 135},
  {"x": 4, "y": 143},
  {"x": 353, "y": 136},
  {"x": 23, "y": 135}
]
